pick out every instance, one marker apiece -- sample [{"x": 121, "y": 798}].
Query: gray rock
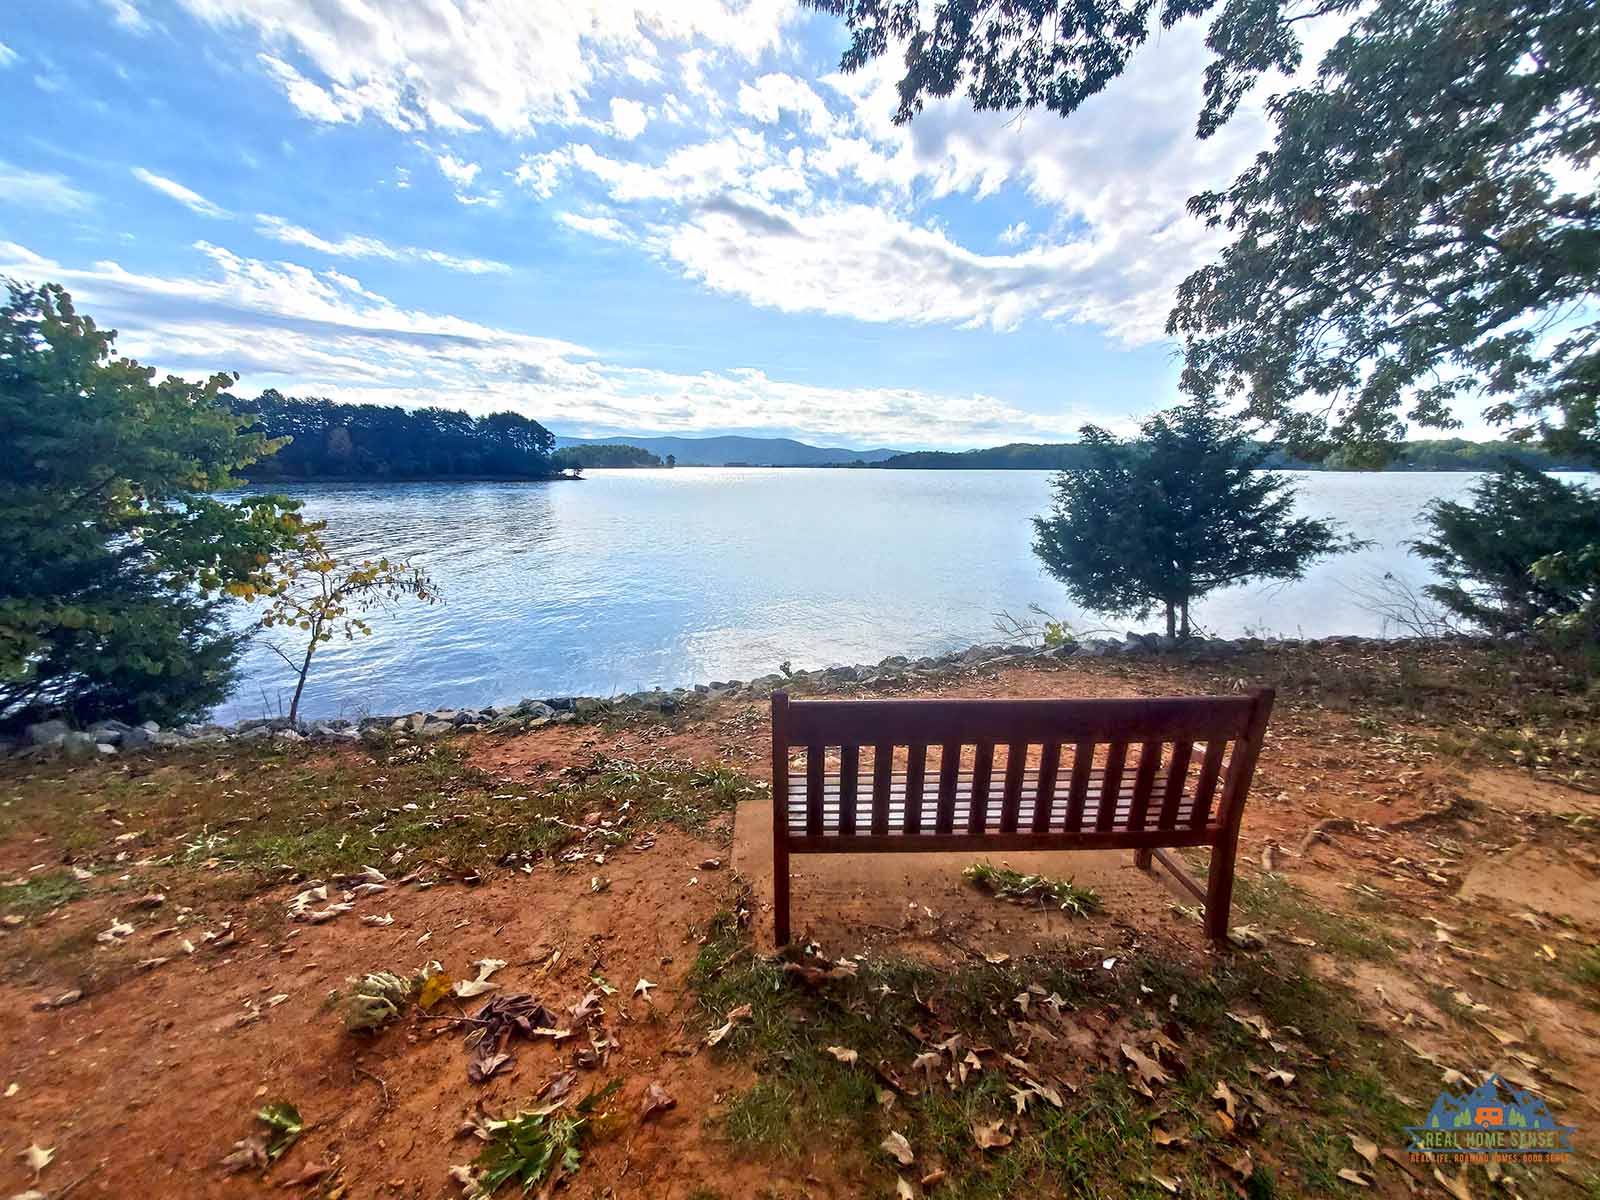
[
  {"x": 415, "y": 722},
  {"x": 254, "y": 734},
  {"x": 589, "y": 706},
  {"x": 137, "y": 738},
  {"x": 79, "y": 747},
  {"x": 447, "y": 715},
  {"x": 537, "y": 709},
  {"x": 149, "y": 726},
  {"x": 46, "y": 733},
  {"x": 841, "y": 674},
  {"x": 109, "y": 733},
  {"x": 105, "y": 749},
  {"x": 288, "y": 735},
  {"x": 433, "y": 729}
]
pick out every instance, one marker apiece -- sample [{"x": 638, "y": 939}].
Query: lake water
[{"x": 636, "y": 579}]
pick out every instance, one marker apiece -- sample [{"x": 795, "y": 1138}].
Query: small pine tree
[
  {"x": 1524, "y": 555},
  {"x": 1166, "y": 519}
]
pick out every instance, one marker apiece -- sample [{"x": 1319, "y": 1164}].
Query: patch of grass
[
  {"x": 1275, "y": 899},
  {"x": 1098, "y": 1144},
  {"x": 1585, "y": 972},
  {"x": 1006, "y": 884},
  {"x": 248, "y": 816},
  {"x": 39, "y": 893}
]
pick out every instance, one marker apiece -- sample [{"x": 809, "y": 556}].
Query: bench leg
[
  {"x": 1142, "y": 859},
  {"x": 1219, "y": 889},
  {"x": 780, "y": 895}
]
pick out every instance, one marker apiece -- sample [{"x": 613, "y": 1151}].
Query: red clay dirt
[{"x": 140, "y": 1089}]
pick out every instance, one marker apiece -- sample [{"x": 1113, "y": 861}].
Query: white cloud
[
  {"x": 8, "y": 56},
  {"x": 357, "y": 246},
  {"x": 307, "y": 97},
  {"x": 323, "y": 333},
  {"x": 606, "y": 228},
  {"x": 772, "y": 95},
  {"x": 641, "y": 69},
  {"x": 628, "y": 118},
  {"x": 862, "y": 262},
  {"x": 127, "y": 15},
  {"x": 505, "y": 63},
  {"x": 190, "y": 199},
  {"x": 742, "y": 159},
  {"x": 457, "y": 172},
  {"x": 746, "y": 217},
  {"x": 40, "y": 190},
  {"x": 541, "y": 173}
]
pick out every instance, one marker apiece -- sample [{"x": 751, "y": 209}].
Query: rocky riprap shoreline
[{"x": 105, "y": 739}]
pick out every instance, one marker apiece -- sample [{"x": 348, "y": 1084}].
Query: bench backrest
[{"x": 985, "y": 767}]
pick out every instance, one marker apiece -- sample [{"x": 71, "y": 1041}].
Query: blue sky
[{"x": 654, "y": 216}]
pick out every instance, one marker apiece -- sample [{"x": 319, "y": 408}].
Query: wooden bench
[{"x": 902, "y": 775}]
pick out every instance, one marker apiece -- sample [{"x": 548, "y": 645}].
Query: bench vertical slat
[
  {"x": 1144, "y": 783},
  {"x": 849, "y": 775},
  {"x": 1111, "y": 785},
  {"x": 1177, "y": 776},
  {"x": 1206, "y": 785},
  {"x": 814, "y": 789},
  {"x": 1011, "y": 800},
  {"x": 916, "y": 770},
  {"x": 780, "y": 819},
  {"x": 949, "y": 770},
  {"x": 982, "y": 772},
  {"x": 1044, "y": 798},
  {"x": 1082, "y": 764},
  {"x": 882, "y": 770}
]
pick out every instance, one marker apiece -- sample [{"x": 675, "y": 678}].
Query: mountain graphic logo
[{"x": 1494, "y": 1117}]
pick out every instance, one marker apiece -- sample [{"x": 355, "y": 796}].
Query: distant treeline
[
  {"x": 600, "y": 456},
  {"x": 371, "y": 441},
  {"x": 1445, "y": 454}
]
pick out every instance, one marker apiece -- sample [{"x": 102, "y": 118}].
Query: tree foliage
[
  {"x": 1424, "y": 228},
  {"x": 1167, "y": 519},
  {"x": 604, "y": 455},
  {"x": 308, "y": 591},
  {"x": 371, "y": 441},
  {"x": 113, "y": 551},
  {"x": 1520, "y": 558}
]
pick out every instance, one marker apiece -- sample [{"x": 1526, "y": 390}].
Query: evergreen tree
[
  {"x": 113, "y": 552},
  {"x": 1520, "y": 557},
  {"x": 1182, "y": 511}
]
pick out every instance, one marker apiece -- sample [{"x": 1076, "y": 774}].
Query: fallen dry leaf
[
  {"x": 1165, "y": 1181},
  {"x": 1368, "y": 1150},
  {"x": 902, "y": 1189},
  {"x": 846, "y": 1056},
  {"x": 896, "y": 1146},
  {"x": 37, "y": 1158},
  {"x": 734, "y": 1016},
  {"x": 1457, "y": 1187},
  {"x": 1148, "y": 1068},
  {"x": 991, "y": 1136},
  {"x": 1355, "y": 1177},
  {"x": 656, "y": 1100}
]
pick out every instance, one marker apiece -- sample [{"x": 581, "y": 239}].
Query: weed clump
[{"x": 1005, "y": 884}]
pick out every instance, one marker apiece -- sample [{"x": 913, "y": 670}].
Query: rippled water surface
[{"x": 633, "y": 579}]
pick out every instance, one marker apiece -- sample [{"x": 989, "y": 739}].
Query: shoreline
[{"x": 53, "y": 738}]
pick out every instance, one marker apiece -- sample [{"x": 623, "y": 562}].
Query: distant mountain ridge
[{"x": 736, "y": 451}]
